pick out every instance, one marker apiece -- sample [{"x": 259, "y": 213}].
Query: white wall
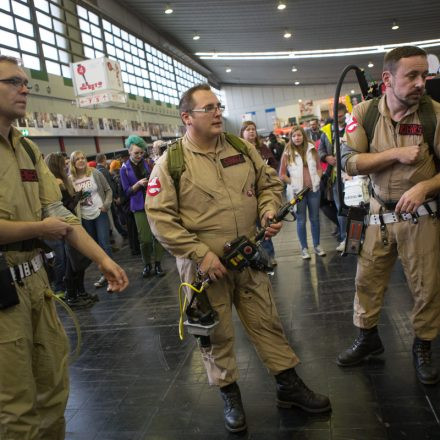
[{"x": 245, "y": 99}]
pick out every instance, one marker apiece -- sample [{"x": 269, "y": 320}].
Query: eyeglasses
[
  {"x": 17, "y": 82},
  {"x": 210, "y": 108}
]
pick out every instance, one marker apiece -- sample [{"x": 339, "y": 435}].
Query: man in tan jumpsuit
[
  {"x": 33, "y": 345},
  {"x": 220, "y": 196},
  {"x": 404, "y": 178}
]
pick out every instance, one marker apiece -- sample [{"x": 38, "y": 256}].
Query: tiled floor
[{"x": 135, "y": 380}]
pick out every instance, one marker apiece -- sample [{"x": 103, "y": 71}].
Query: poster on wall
[{"x": 306, "y": 108}]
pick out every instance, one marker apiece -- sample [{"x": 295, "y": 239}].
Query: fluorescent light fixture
[
  {"x": 287, "y": 34},
  {"x": 325, "y": 53},
  {"x": 228, "y": 70},
  {"x": 196, "y": 36},
  {"x": 395, "y": 26},
  {"x": 281, "y": 5},
  {"x": 294, "y": 69},
  {"x": 297, "y": 83},
  {"x": 370, "y": 65},
  {"x": 168, "y": 9}
]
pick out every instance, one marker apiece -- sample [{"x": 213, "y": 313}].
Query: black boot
[
  {"x": 368, "y": 343},
  {"x": 80, "y": 288},
  {"x": 292, "y": 391},
  {"x": 146, "y": 271},
  {"x": 72, "y": 299},
  {"x": 235, "y": 419},
  {"x": 158, "y": 269},
  {"x": 426, "y": 372}
]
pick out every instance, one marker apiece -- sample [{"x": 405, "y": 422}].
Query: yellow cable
[{"x": 182, "y": 307}]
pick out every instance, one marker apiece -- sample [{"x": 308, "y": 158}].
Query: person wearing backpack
[
  {"x": 396, "y": 140},
  {"x": 208, "y": 189}
]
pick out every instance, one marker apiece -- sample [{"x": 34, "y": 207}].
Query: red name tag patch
[
  {"x": 232, "y": 160},
  {"x": 411, "y": 129},
  {"x": 29, "y": 175}
]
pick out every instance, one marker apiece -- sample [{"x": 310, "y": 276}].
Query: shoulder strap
[
  {"x": 428, "y": 120},
  {"x": 237, "y": 143},
  {"x": 25, "y": 143},
  {"x": 371, "y": 118},
  {"x": 176, "y": 162}
]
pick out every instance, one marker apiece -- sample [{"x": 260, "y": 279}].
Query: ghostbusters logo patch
[
  {"x": 351, "y": 125},
  {"x": 153, "y": 188}
]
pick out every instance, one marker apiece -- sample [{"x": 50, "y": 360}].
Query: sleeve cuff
[{"x": 199, "y": 253}]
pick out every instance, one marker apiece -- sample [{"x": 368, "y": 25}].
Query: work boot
[
  {"x": 146, "y": 271},
  {"x": 292, "y": 391},
  {"x": 81, "y": 290},
  {"x": 426, "y": 372},
  {"x": 235, "y": 419},
  {"x": 367, "y": 344},
  {"x": 72, "y": 299},
  {"x": 158, "y": 269}
]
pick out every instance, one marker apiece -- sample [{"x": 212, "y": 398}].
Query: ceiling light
[
  {"x": 297, "y": 83},
  {"x": 294, "y": 69},
  {"x": 352, "y": 92},
  {"x": 168, "y": 9},
  {"x": 395, "y": 26},
  {"x": 228, "y": 70},
  {"x": 196, "y": 36},
  {"x": 287, "y": 34},
  {"x": 370, "y": 65},
  {"x": 281, "y": 5},
  {"x": 300, "y": 100}
]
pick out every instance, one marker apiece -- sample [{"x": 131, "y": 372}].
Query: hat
[
  {"x": 137, "y": 140},
  {"x": 91, "y": 163},
  {"x": 115, "y": 165}
]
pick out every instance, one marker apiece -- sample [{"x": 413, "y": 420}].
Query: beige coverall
[
  {"x": 218, "y": 201},
  {"x": 417, "y": 245},
  {"x": 33, "y": 345}
]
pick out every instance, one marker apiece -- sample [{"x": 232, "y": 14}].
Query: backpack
[
  {"x": 176, "y": 160},
  {"x": 25, "y": 144},
  {"x": 425, "y": 112}
]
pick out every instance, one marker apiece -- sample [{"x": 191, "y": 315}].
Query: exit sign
[{"x": 25, "y": 132}]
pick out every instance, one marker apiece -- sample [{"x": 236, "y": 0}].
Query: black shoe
[
  {"x": 158, "y": 269},
  {"x": 86, "y": 295},
  {"x": 292, "y": 391},
  {"x": 79, "y": 303},
  {"x": 146, "y": 271},
  {"x": 235, "y": 419},
  {"x": 367, "y": 344},
  {"x": 426, "y": 372}
]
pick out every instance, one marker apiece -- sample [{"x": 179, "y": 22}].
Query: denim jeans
[
  {"x": 99, "y": 230},
  {"x": 341, "y": 219},
  {"x": 268, "y": 247},
  {"x": 59, "y": 267},
  {"x": 310, "y": 201}
]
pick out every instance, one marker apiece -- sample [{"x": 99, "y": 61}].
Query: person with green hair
[{"x": 134, "y": 179}]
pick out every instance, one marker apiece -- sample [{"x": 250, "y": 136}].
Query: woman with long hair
[
  {"x": 76, "y": 295},
  {"x": 249, "y": 133},
  {"x": 95, "y": 202},
  {"x": 300, "y": 167}
]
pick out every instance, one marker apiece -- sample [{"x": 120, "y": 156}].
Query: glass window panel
[
  {"x": 53, "y": 68},
  {"x": 147, "y": 47},
  {"x": 93, "y": 18},
  {"x": 124, "y": 35},
  {"x": 111, "y": 50},
  {"x": 126, "y": 88},
  {"x": 82, "y": 12},
  {"x": 133, "y": 50},
  {"x": 8, "y": 39},
  {"x": 136, "y": 61},
  {"x": 143, "y": 64},
  {"x": 116, "y": 30},
  {"x": 44, "y": 20},
  {"x": 155, "y": 96},
  {"x": 31, "y": 62},
  {"x": 67, "y": 73},
  {"x": 120, "y": 54},
  {"x": 131, "y": 79},
  {"x": 144, "y": 73},
  {"x": 95, "y": 31},
  {"x": 154, "y": 86},
  {"x": 139, "y": 43},
  {"x": 84, "y": 25},
  {"x": 5, "y": 6},
  {"x": 124, "y": 77},
  {"x": 148, "y": 94},
  {"x": 132, "y": 39},
  {"x": 6, "y": 21},
  {"x": 153, "y": 51},
  {"x": 108, "y": 37},
  {"x": 107, "y": 25},
  {"x": 128, "y": 58},
  {"x": 98, "y": 44},
  {"x": 118, "y": 42},
  {"x": 126, "y": 46},
  {"x": 57, "y": 12},
  {"x": 139, "y": 81},
  {"x": 28, "y": 45},
  {"x": 133, "y": 90},
  {"x": 88, "y": 52},
  {"x": 59, "y": 26},
  {"x": 20, "y": 10},
  {"x": 87, "y": 39},
  {"x": 64, "y": 56},
  {"x": 149, "y": 58},
  {"x": 50, "y": 52},
  {"x": 146, "y": 84},
  {"x": 141, "y": 92},
  {"x": 62, "y": 42},
  {"x": 123, "y": 65},
  {"x": 24, "y": 27},
  {"x": 130, "y": 68},
  {"x": 98, "y": 54},
  {"x": 159, "y": 88}
]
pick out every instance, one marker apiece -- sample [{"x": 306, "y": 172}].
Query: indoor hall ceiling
[{"x": 257, "y": 26}]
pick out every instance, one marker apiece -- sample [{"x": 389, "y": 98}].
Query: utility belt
[
  {"x": 427, "y": 208},
  {"x": 21, "y": 271},
  {"x": 23, "y": 246}
]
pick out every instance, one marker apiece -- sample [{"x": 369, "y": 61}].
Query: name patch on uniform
[
  {"x": 232, "y": 160},
  {"x": 29, "y": 175},
  {"x": 411, "y": 129}
]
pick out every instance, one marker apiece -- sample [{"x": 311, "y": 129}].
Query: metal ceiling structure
[{"x": 258, "y": 26}]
